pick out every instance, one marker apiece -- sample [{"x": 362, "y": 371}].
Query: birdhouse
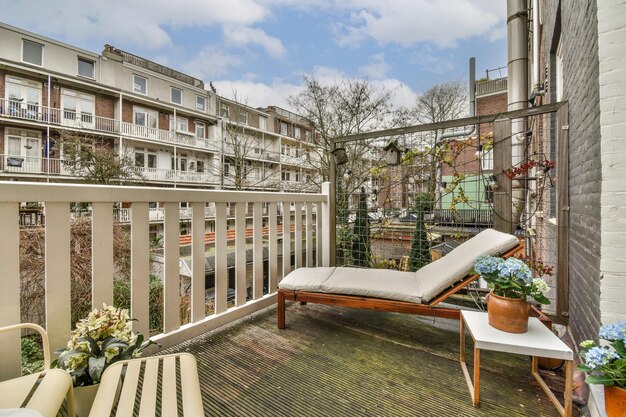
[
  {"x": 392, "y": 154},
  {"x": 340, "y": 156}
]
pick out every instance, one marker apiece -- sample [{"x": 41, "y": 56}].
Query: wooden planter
[
  {"x": 508, "y": 314},
  {"x": 615, "y": 401}
]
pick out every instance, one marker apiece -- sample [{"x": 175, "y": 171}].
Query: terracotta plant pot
[
  {"x": 508, "y": 314},
  {"x": 615, "y": 401}
]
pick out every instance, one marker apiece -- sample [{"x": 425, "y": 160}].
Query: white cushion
[
  {"x": 442, "y": 273},
  {"x": 377, "y": 283},
  {"x": 417, "y": 287},
  {"x": 306, "y": 279}
]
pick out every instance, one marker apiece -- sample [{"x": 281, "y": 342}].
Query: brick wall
[
  {"x": 105, "y": 106},
  {"x": 578, "y": 26},
  {"x": 612, "y": 84},
  {"x": 494, "y": 103}
]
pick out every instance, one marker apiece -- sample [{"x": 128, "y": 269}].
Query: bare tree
[
  {"x": 339, "y": 109},
  {"x": 441, "y": 102},
  {"x": 249, "y": 161},
  {"x": 95, "y": 160}
]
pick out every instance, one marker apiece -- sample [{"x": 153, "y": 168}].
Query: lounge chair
[
  {"x": 404, "y": 292},
  {"x": 47, "y": 392}
]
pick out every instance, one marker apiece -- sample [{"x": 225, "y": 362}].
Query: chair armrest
[{"x": 42, "y": 333}]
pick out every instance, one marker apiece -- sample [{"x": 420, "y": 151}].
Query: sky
[{"x": 260, "y": 49}]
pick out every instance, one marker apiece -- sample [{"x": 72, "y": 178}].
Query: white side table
[{"x": 539, "y": 341}]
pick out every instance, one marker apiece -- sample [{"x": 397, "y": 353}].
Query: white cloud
[
  {"x": 432, "y": 62},
  {"x": 258, "y": 94},
  {"x": 141, "y": 23},
  {"x": 408, "y": 22},
  {"x": 377, "y": 68},
  {"x": 212, "y": 62},
  {"x": 242, "y": 35}
]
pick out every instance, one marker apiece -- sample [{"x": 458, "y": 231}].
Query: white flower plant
[{"x": 101, "y": 339}]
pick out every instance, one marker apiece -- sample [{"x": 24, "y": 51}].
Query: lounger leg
[{"x": 281, "y": 310}]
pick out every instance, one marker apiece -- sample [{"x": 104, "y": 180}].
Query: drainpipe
[
  {"x": 536, "y": 75},
  {"x": 517, "y": 93},
  {"x": 48, "y": 133}
]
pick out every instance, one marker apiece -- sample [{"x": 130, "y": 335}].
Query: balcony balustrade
[
  {"x": 57, "y": 199},
  {"x": 85, "y": 121}
]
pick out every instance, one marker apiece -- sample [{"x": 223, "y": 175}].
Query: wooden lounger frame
[{"x": 382, "y": 304}]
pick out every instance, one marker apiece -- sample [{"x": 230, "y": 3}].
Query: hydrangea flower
[
  {"x": 599, "y": 356},
  {"x": 613, "y": 331},
  {"x": 511, "y": 278}
]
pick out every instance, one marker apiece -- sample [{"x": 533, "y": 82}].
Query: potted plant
[
  {"x": 99, "y": 340},
  {"x": 605, "y": 364},
  {"x": 511, "y": 284}
]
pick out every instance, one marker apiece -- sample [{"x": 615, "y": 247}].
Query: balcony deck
[{"x": 344, "y": 362}]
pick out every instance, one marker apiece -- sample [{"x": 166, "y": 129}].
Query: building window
[
  {"x": 487, "y": 160},
  {"x": 32, "y": 52},
  {"x": 144, "y": 117},
  {"x": 140, "y": 84},
  {"x": 200, "y": 103},
  {"x": 86, "y": 68},
  {"x": 24, "y": 97},
  {"x": 285, "y": 175},
  {"x": 297, "y": 133},
  {"x": 176, "y": 95},
  {"x": 183, "y": 163},
  {"x": 262, "y": 122},
  {"x": 226, "y": 169},
  {"x": 307, "y": 135},
  {"x": 224, "y": 111},
  {"x": 23, "y": 150},
  {"x": 78, "y": 108},
  {"x": 200, "y": 166},
  {"x": 283, "y": 128},
  {"x": 182, "y": 124},
  {"x": 200, "y": 130},
  {"x": 140, "y": 158},
  {"x": 283, "y": 150},
  {"x": 243, "y": 117},
  {"x": 488, "y": 194}
]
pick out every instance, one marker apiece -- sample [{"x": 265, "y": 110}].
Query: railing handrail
[{"x": 11, "y": 191}]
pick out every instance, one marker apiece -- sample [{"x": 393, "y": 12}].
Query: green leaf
[
  {"x": 599, "y": 379},
  {"x": 93, "y": 345},
  {"x": 96, "y": 366}
]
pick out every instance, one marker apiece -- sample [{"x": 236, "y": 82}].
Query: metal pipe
[
  {"x": 536, "y": 74},
  {"x": 517, "y": 18}
]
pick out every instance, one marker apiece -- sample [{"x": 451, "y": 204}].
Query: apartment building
[{"x": 170, "y": 128}]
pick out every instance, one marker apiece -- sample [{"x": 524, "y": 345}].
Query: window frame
[
  {"x": 24, "y": 41},
  {"x": 146, "y": 83},
  {"x": 93, "y": 68},
  {"x": 203, "y": 129},
  {"x": 263, "y": 122},
  {"x": 284, "y": 124},
  {"x": 172, "y": 89},
  {"x": 204, "y": 107},
  {"x": 224, "y": 109},
  {"x": 244, "y": 117}
]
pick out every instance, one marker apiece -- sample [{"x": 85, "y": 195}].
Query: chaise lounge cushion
[{"x": 417, "y": 287}]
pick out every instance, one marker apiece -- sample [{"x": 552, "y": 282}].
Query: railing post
[{"x": 326, "y": 226}]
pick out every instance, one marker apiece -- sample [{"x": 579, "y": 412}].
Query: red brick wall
[{"x": 105, "y": 106}]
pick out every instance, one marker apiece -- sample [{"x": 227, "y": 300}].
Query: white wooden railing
[{"x": 57, "y": 198}]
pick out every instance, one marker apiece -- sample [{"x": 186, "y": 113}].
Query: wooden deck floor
[{"x": 333, "y": 361}]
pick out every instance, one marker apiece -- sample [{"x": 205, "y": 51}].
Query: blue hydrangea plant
[
  {"x": 511, "y": 278},
  {"x": 605, "y": 362}
]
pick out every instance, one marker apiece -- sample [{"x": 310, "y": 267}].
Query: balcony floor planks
[{"x": 339, "y": 361}]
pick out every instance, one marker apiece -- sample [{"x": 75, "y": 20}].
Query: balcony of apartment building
[
  {"x": 147, "y": 122},
  {"x": 346, "y": 361}
]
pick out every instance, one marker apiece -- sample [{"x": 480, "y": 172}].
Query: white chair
[{"x": 50, "y": 388}]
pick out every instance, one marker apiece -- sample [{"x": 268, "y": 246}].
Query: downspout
[
  {"x": 536, "y": 75},
  {"x": 517, "y": 94},
  {"x": 48, "y": 133}
]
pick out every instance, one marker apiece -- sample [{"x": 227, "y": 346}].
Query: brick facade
[{"x": 581, "y": 89}]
